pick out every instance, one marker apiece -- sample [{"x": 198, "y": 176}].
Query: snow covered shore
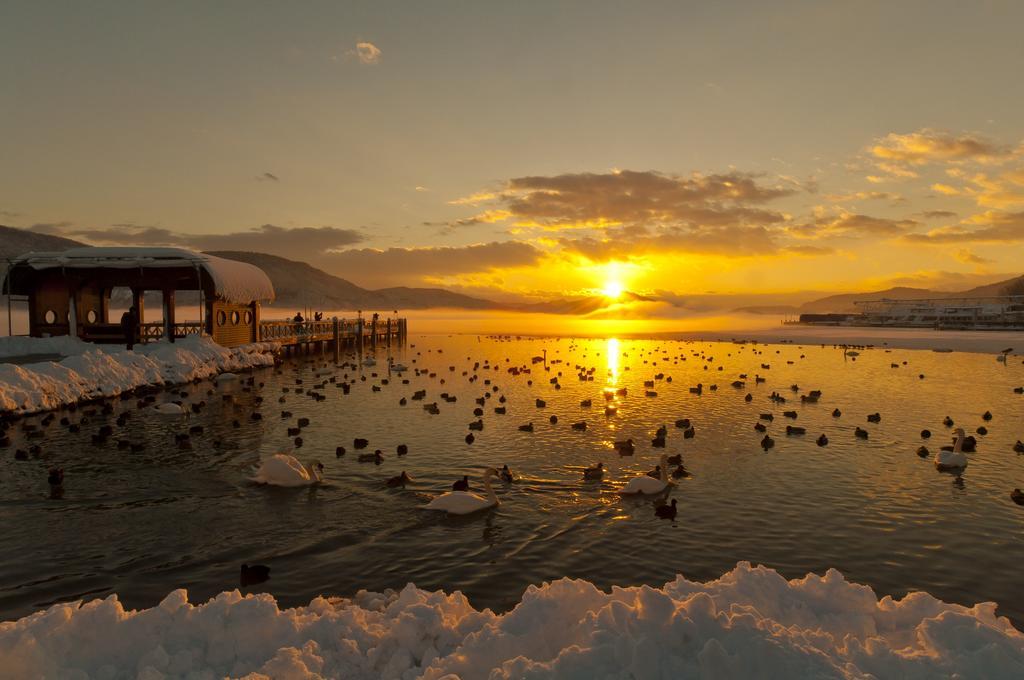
[
  {"x": 749, "y": 623},
  {"x": 92, "y": 371}
]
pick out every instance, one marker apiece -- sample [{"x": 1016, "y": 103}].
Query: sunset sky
[{"x": 530, "y": 150}]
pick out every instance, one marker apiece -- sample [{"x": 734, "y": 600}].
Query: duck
[
  {"x": 860, "y": 433},
  {"x": 1017, "y": 496},
  {"x": 875, "y": 418},
  {"x": 667, "y": 511},
  {"x": 677, "y": 459},
  {"x": 645, "y": 485},
  {"x": 253, "y": 574},
  {"x": 922, "y": 451},
  {"x": 822, "y": 440},
  {"x": 1019, "y": 447},
  {"x": 955, "y": 459},
  {"x": 947, "y": 421},
  {"x": 169, "y": 409},
  {"x": 465, "y": 502},
  {"x": 594, "y": 472},
  {"x": 282, "y": 469},
  {"x": 625, "y": 447},
  {"x": 376, "y": 457},
  {"x": 506, "y": 474},
  {"x": 461, "y": 484},
  {"x": 399, "y": 480},
  {"x": 767, "y": 442},
  {"x": 655, "y": 473},
  {"x": 836, "y": 413},
  {"x": 680, "y": 472},
  {"x": 925, "y": 434},
  {"x": 55, "y": 476}
]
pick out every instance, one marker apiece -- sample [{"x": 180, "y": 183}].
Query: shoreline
[{"x": 92, "y": 373}]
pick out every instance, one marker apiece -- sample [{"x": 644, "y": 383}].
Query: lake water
[{"x": 141, "y": 524}]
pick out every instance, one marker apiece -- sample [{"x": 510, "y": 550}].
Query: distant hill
[
  {"x": 840, "y": 304},
  {"x": 15, "y": 242},
  {"x": 298, "y": 284}
]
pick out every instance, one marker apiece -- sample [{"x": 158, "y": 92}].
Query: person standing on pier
[{"x": 129, "y": 326}]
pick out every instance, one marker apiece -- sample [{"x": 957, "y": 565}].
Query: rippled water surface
[{"x": 142, "y": 523}]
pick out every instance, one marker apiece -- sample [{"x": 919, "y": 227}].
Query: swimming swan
[
  {"x": 955, "y": 459},
  {"x": 466, "y": 502},
  {"x": 284, "y": 470},
  {"x": 644, "y": 485}
]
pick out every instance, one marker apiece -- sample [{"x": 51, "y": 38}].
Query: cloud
[
  {"x": 367, "y": 53},
  {"x": 398, "y": 266},
  {"x": 938, "y": 214},
  {"x": 865, "y": 196},
  {"x": 298, "y": 243},
  {"x": 928, "y": 145},
  {"x": 808, "y": 250},
  {"x": 967, "y": 257},
  {"x": 485, "y": 217},
  {"x": 641, "y": 198},
  {"x": 626, "y": 243},
  {"x": 851, "y": 224},
  {"x": 992, "y": 226},
  {"x": 268, "y": 176},
  {"x": 9, "y": 213},
  {"x": 421, "y": 189}
]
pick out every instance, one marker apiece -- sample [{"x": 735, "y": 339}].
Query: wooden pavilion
[{"x": 69, "y": 292}]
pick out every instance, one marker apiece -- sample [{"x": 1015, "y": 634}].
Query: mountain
[
  {"x": 15, "y": 242},
  {"x": 298, "y": 284},
  {"x": 841, "y": 304},
  {"x": 1010, "y": 287}
]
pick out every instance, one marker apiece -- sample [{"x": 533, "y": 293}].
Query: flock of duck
[{"x": 285, "y": 469}]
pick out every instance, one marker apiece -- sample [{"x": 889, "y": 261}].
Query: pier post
[
  {"x": 359, "y": 335},
  {"x": 337, "y": 340},
  {"x": 373, "y": 332},
  {"x": 389, "y": 331}
]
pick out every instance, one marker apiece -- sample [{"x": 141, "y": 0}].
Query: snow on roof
[{"x": 237, "y": 282}]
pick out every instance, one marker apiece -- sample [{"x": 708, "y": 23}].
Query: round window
[
  {"x": 248, "y": 318},
  {"x": 234, "y": 318},
  {"x": 222, "y": 318},
  {"x": 91, "y": 316},
  {"x": 50, "y": 317}
]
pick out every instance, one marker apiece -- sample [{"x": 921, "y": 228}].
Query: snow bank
[
  {"x": 749, "y": 623},
  {"x": 106, "y": 371},
  {"x": 19, "y": 346}
]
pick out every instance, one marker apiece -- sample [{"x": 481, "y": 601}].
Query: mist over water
[{"x": 141, "y": 524}]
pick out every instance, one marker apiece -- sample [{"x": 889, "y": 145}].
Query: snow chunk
[{"x": 751, "y": 622}]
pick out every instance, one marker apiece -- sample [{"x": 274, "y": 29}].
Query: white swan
[
  {"x": 169, "y": 409},
  {"x": 466, "y": 502},
  {"x": 955, "y": 459},
  {"x": 399, "y": 368},
  {"x": 226, "y": 377},
  {"x": 644, "y": 485},
  {"x": 369, "y": 361},
  {"x": 284, "y": 470}
]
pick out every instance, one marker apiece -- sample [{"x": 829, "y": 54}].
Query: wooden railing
[
  {"x": 154, "y": 331},
  {"x": 290, "y": 332}
]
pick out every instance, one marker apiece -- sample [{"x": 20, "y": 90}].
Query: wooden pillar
[
  {"x": 359, "y": 335},
  {"x": 337, "y": 340},
  {"x": 389, "y": 330},
  {"x": 168, "y": 295},
  {"x": 139, "y": 303},
  {"x": 72, "y": 313},
  {"x": 373, "y": 333},
  {"x": 255, "y": 321},
  {"x": 105, "y": 305}
]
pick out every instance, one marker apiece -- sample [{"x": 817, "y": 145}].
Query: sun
[{"x": 612, "y": 289}]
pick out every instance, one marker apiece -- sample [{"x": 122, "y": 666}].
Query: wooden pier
[{"x": 335, "y": 334}]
